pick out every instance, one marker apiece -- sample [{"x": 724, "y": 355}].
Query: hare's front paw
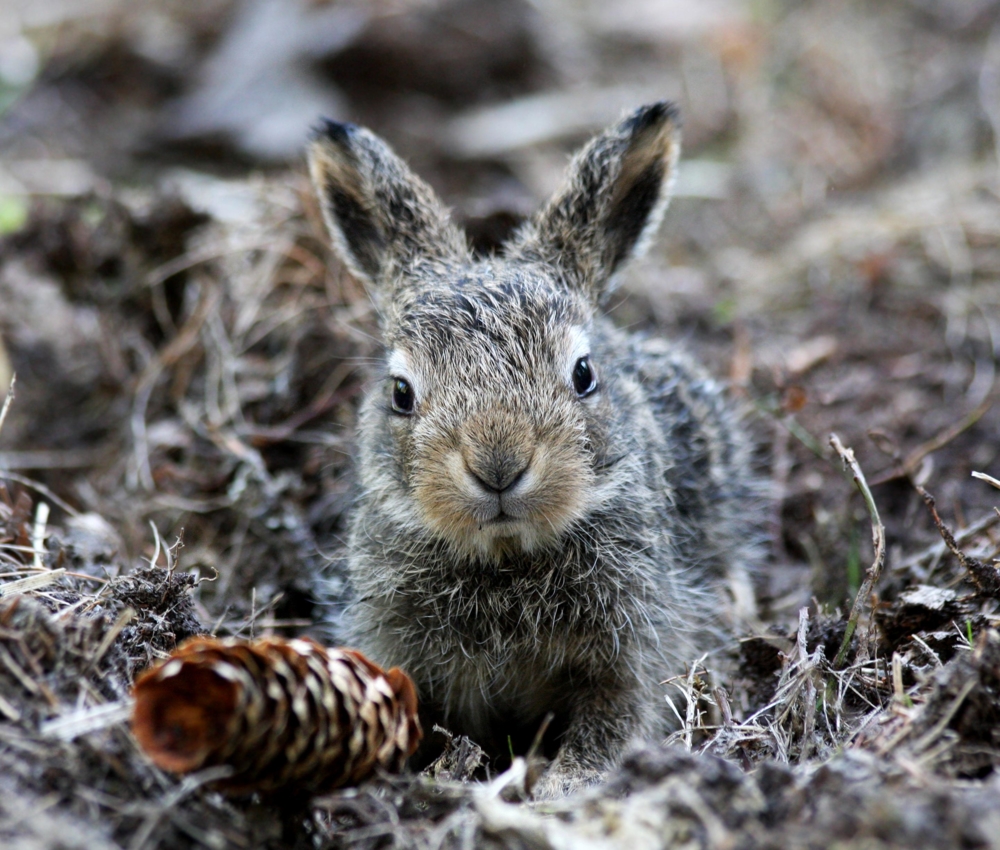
[{"x": 564, "y": 778}]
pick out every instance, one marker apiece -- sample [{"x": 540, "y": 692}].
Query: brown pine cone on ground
[{"x": 286, "y": 715}]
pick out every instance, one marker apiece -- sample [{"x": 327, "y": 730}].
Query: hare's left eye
[{"x": 584, "y": 377}]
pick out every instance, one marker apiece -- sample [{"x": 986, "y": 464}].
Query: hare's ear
[
  {"x": 611, "y": 205},
  {"x": 383, "y": 219}
]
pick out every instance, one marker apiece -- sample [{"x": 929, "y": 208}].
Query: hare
[{"x": 549, "y": 507}]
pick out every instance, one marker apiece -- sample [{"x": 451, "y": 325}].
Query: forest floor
[{"x": 176, "y": 455}]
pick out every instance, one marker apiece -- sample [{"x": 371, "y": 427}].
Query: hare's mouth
[
  {"x": 502, "y": 519},
  {"x": 520, "y": 528},
  {"x": 504, "y": 524},
  {"x": 499, "y": 533}
]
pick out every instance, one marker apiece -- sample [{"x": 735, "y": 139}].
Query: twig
[
  {"x": 514, "y": 775},
  {"x": 985, "y": 577},
  {"x": 878, "y": 543},
  {"x": 41, "y": 488},
  {"x": 807, "y": 665},
  {"x": 770, "y": 407},
  {"x": 691, "y": 714},
  {"x": 33, "y": 582},
  {"x": 56, "y": 459},
  {"x": 536, "y": 744},
  {"x": 156, "y": 552},
  {"x": 187, "y": 786},
  {"x": 8, "y": 660},
  {"x": 898, "y": 691},
  {"x": 989, "y": 479},
  {"x": 935, "y": 731},
  {"x": 67, "y": 727},
  {"x": 939, "y": 441},
  {"x": 919, "y": 641},
  {"x": 123, "y": 620},
  {"x": 9, "y": 710},
  {"x": 38, "y": 534},
  {"x": 184, "y": 341},
  {"x": 935, "y": 550},
  {"x": 7, "y": 401},
  {"x": 907, "y": 467}
]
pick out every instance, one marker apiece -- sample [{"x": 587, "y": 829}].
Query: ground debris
[
  {"x": 460, "y": 759},
  {"x": 669, "y": 798},
  {"x": 70, "y": 769},
  {"x": 948, "y": 727},
  {"x": 922, "y": 608},
  {"x": 188, "y": 355}
]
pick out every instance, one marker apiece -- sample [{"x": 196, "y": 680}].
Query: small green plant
[{"x": 13, "y": 214}]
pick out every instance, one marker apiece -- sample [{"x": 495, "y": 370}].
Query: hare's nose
[{"x": 498, "y": 473}]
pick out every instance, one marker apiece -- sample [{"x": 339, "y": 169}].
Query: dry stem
[{"x": 878, "y": 543}]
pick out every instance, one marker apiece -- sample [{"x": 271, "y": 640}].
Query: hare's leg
[{"x": 606, "y": 718}]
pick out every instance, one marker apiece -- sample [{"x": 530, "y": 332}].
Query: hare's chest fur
[{"x": 497, "y": 653}]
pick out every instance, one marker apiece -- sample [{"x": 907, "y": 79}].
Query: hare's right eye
[
  {"x": 402, "y": 396},
  {"x": 584, "y": 379}
]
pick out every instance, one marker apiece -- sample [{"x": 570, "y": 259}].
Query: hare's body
[{"x": 549, "y": 507}]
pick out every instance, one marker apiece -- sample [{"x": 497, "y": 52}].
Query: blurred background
[
  {"x": 785, "y": 102},
  {"x": 188, "y": 352}
]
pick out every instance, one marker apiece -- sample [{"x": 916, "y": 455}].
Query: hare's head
[{"x": 497, "y": 421}]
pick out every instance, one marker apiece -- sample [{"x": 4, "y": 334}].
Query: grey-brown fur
[{"x": 624, "y": 512}]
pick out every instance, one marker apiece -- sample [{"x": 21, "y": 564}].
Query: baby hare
[{"x": 549, "y": 507}]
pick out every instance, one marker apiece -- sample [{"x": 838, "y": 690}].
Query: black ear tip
[
  {"x": 654, "y": 115},
  {"x": 335, "y": 131}
]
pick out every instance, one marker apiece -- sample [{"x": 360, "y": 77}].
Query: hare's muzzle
[
  {"x": 501, "y": 487},
  {"x": 496, "y": 469}
]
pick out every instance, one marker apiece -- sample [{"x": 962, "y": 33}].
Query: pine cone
[{"x": 284, "y": 714}]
